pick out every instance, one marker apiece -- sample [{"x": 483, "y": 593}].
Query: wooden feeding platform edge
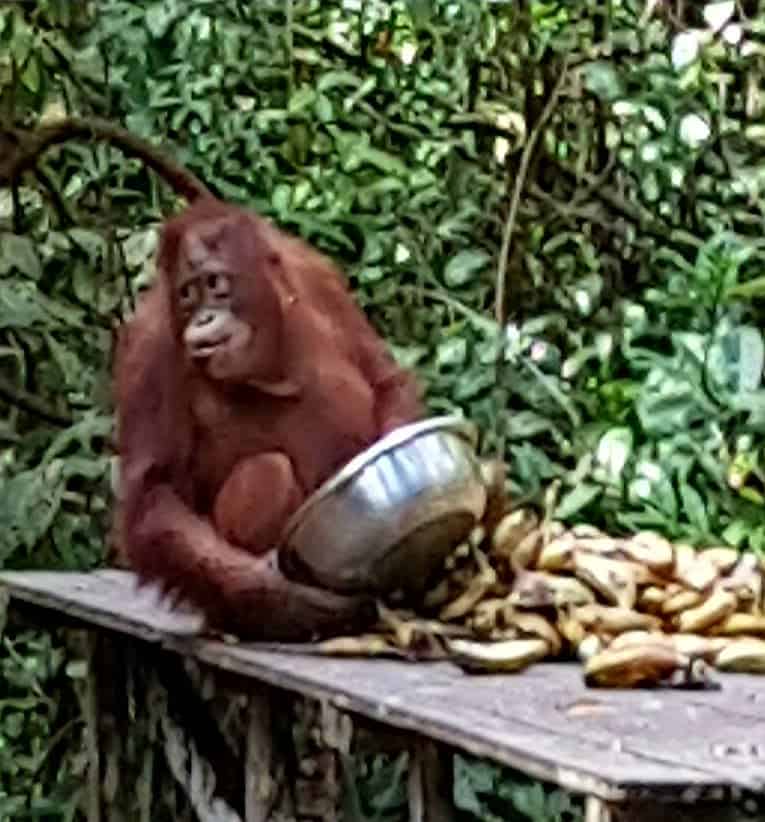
[{"x": 637, "y": 754}]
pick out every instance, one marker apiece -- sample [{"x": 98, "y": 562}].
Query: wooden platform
[{"x": 618, "y": 746}]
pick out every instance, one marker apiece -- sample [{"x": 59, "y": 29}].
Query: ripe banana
[
  {"x": 614, "y": 620},
  {"x": 558, "y": 554},
  {"x": 509, "y": 656},
  {"x": 477, "y": 589},
  {"x": 724, "y": 559},
  {"x": 718, "y": 606},
  {"x": 692, "y": 570},
  {"x": 651, "y": 550},
  {"x": 741, "y": 624},
  {"x": 535, "y": 625},
  {"x": 635, "y": 665},
  {"x": 538, "y": 589},
  {"x": 742, "y": 656},
  {"x": 613, "y": 579},
  {"x": 512, "y": 528}
]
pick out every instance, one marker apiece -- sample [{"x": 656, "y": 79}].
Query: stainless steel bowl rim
[{"x": 395, "y": 439}]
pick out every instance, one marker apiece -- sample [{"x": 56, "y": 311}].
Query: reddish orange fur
[{"x": 211, "y": 471}]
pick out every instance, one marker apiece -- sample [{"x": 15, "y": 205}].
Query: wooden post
[
  {"x": 336, "y": 737},
  {"x": 91, "y": 716},
  {"x": 429, "y": 783},
  {"x": 416, "y": 782},
  {"x": 596, "y": 810},
  {"x": 260, "y": 786}
]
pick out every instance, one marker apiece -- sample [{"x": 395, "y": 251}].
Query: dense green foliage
[{"x": 392, "y": 134}]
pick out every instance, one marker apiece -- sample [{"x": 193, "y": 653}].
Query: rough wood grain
[
  {"x": 260, "y": 786},
  {"x": 637, "y": 745},
  {"x": 429, "y": 783}
]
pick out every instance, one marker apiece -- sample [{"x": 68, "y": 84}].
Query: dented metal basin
[{"x": 388, "y": 519}]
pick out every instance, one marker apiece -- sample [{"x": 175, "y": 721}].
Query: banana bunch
[{"x": 637, "y": 611}]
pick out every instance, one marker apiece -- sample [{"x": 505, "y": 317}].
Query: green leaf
[
  {"x": 471, "y": 779},
  {"x": 20, "y": 305},
  {"x": 750, "y": 290},
  {"x": 614, "y": 449},
  {"x": 603, "y": 80},
  {"x": 751, "y": 358},
  {"x": 371, "y": 274},
  {"x": 451, "y": 352},
  {"x": 19, "y": 253},
  {"x": 462, "y": 268},
  {"x": 30, "y": 76},
  {"x": 527, "y": 424},
  {"x": 694, "y": 507},
  {"x": 159, "y": 17},
  {"x": 578, "y": 498},
  {"x": 737, "y": 533},
  {"x": 383, "y": 160},
  {"x": 668, "y": 402},
  {"x": 330, "y": 80},
  {"x": 301, "y": 100}
]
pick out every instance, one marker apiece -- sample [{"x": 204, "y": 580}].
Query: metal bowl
[{"x": 388, "y": 520}]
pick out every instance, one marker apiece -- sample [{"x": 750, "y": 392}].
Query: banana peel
[
  {"x": 526, "y": 552},
  {"x": 601, "y": 545},
  {"x": 695, "y": 646},
  {"x": 723, "y": 558},
  {"x": 363, "y": 645},
  {"x": 644, "y": 665},
  {"x": 611, "y": 619},
  {"x": 745, "y": 580},
  {"x": 477, "y": 589},
  {"x": 570, "y": 628},
  {"x": 512, "y": 528},
  {"x": 740, "y": 624},
  {"x": 538, "y": 589},
  {"x": 716, "y": 608},
  {"x": 558, "y": 554},
  {"x": 589, "y": 647},
  {"x": 650, "y": 550},
  {"x": 652, "y": 598},
  {"x": 692, "y": 570},
  {"x": 492, "y": 614},
  {"x": 682, "y": 600},
  {"x": 613, "y": 579},
  {"x": 535, "y": 625},
  {"x": 510, "y": 656},
  {"x": 742, "y": 656}
]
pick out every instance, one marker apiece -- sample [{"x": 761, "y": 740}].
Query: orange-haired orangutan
[{"x": 246, "y": 377}]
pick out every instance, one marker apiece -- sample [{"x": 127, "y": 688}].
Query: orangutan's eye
[
  {"x": 218, "y": 284},
  {"x": 186, "y": 296}
]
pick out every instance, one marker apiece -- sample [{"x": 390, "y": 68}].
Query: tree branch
[
  {"x": 22, "y": 399},
  {"x": 500, "y": 302},
  {"x": 20, "y": 149}
]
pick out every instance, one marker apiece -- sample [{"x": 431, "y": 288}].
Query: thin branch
[
  {"x": 290, "y": 15},
  {"x": 20, "y": 149},
  {"x": 500, "y": 307},
  {"x": 500, "y": 313},
  {"x": 25, "y": 401}
]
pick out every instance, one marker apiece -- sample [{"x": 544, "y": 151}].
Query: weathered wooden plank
[
  {"x": 656, "y": 724},
  {"x": 614, "y": 745}
]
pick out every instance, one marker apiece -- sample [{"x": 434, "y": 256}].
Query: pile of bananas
[{"x": 637, "y": 611}]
